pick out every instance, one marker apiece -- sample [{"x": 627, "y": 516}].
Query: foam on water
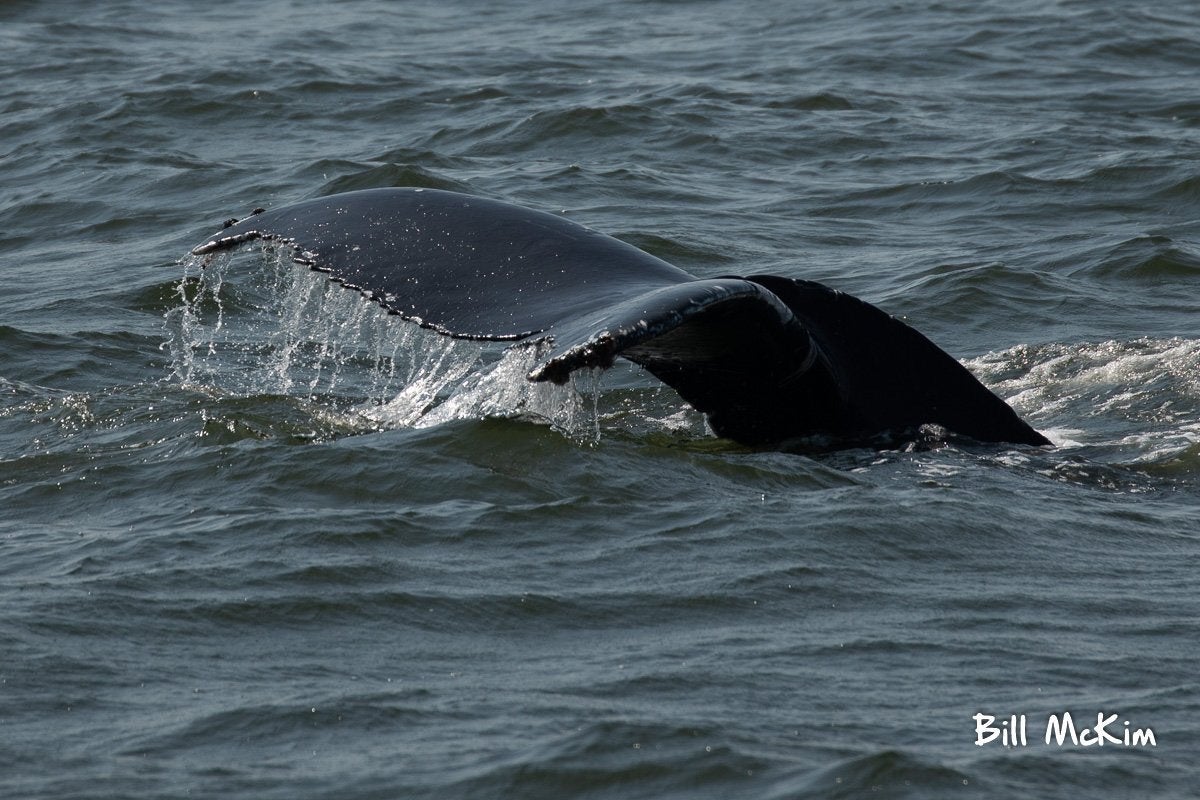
[{"x": 1141, "y": 396}]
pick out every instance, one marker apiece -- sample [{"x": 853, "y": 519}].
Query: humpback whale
[{"x": 766, "y": 359}]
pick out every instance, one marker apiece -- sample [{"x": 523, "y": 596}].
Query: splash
[
  {"x": 281, "y": 330},
  {"x": 497, "y": 390},
  {"x": 1141, "y": 398}
]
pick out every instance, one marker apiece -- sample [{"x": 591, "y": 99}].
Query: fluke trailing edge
[{"x": 765, "y": 358}]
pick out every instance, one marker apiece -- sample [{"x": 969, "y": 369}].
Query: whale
[{"x": 768, "y": 360}]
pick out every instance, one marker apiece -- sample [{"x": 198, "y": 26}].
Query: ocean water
[{"x": 259, "y": 540}]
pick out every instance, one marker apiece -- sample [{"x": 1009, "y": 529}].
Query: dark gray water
[{"x": 259, "y": 541}]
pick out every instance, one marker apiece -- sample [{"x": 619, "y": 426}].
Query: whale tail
[
  {"x": 768, "y": 359},
  {"x": 765, "y": 358}
]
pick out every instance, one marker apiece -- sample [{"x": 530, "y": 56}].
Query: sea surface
[{"x": 259, "y": 540}]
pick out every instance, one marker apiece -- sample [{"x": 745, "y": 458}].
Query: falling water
[{"x": 246, "y": 329}]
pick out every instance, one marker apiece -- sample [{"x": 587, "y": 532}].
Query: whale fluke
[{"x": 765, "y": 358}]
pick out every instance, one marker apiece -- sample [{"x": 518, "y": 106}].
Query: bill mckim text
[{"x": 1062, "y": 729}]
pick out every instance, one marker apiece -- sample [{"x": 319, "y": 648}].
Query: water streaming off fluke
[{"x": 257, "y": 324}]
